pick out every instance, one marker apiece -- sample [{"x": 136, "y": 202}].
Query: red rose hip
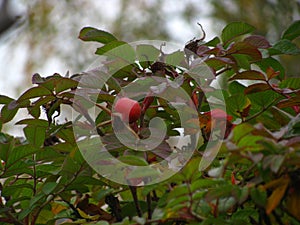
[{"x": 129, "y": 109}]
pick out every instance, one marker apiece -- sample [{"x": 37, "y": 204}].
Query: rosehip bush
[{"x": 254, "y": 177}]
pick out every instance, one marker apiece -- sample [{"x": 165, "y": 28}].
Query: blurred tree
[
  {"x": 49, "y": 22},
  {"x": 7, "y": 17},
  {"x": 269, "y": 17}
]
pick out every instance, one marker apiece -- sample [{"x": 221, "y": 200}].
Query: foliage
[{"x": 254, "y": 179}]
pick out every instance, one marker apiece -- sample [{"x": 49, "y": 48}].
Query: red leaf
[
  {"x": 293, "y": 101},
  {"x": 271, "y": 73},
  {"x": 257, "y": 41},
  {"x": 245, "y": 49}
]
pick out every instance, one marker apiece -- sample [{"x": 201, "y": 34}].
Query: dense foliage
[{"x": 254, "y": 179}]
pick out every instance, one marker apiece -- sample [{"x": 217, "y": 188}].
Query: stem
[
  {"x": 149, "y": 206},
  {"x": 103, "y": 108},
  {"x": 223, "y": 70},
  {"x": 136, "y": 201},
  {"x": 9, "y": 215},
  {"x": 39, "y": 209},
  {"x": 34, "y": 175},
  {"x": 260, "y": 112}
]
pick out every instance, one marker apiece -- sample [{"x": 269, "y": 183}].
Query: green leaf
[
  {"x": 213, "y": 42},
  {"x": 236, "y": 88},
  {"x": 242, "y": 61},
  {"x": 34, "y": 122},
  {"x": 292, "y": 32},
  {"x": 235, "y": 29},
  {"x": 133, "y": 160},
  {"x": 5, "y": 100},
  {"x": 49, "y": 187},
  {"x": 218, "y": 62},
  {"x": 284, "y": 47},
  {"x": 291, "y": 82},
  {"x": 204, "y": 184},
  {"x": 176, "y": 59},
  {"x": 244, "y": 214},
  {"x": 266, "y": 63},
  {"x": 35, "y": 134},
  {"x": 263, "y": 99},
  {"x": 251, "y": 143},
  {"x": 241, "y": 131},
  {"x": 249, "y": 75},
  {"x": 34, "y": 92},
  {"x": 236, "y": 104},
  {"x": 93, "y": 34},
  {"x": 20, "y": 152},
  {"x": 138, "y": 173},
  {"x": 191, "y": 169},
  {"x": 147, "y": 53},
  {"x": 119, "y": 50},
  {"x": 65, "y": 84},
  {"x": 7, "y": 114}
]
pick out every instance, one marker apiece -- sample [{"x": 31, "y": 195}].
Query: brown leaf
[
  {"x": 254, "y": 88},
  {"x": 280, "y": 185},
  {"x": 293, "y": 101},
  {"x": 293, "y": 202},
  {"x": 271, "y": 73},
  {"x": 249, "y": 75}
]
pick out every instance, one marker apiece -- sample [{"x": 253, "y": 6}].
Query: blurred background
[{"x": 40, "y": 36}]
